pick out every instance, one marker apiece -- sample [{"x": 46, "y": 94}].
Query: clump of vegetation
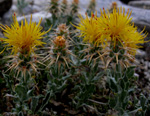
[{"x": 82, "y": 66}]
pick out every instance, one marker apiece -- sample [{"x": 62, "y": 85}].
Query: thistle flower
[
  {"x": 117, "y": 27},
  {"x": 111, "y": 28},
  {"x": 23, "y": 39}
]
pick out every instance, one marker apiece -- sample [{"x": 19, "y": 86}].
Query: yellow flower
[
  {"x": 111, "y": 28},
  {"x": 114, "y": 26},
  {"x": 88, "y": 28},
  {"x": 24, "y": 38},
  {"x": 117, "y": 27}
]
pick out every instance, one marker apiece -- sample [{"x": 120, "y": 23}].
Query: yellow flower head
[
  {"x": 88, "y": 28},
  {"x": 113, "y": 26},
  {"x": 24, "y": 38},
  {"x": 60, "y": 41},
  {"x": 117, "y": 27}
]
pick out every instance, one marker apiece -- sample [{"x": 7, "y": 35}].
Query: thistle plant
[
  {"x": 23, "y": 41},
  {"x": 90, "y": 74},
  {"x": 118, "y": 39},
  {"x": 118, "y": 36}
]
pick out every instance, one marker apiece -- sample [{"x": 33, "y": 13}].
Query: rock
[
  {"x": 126, "y": 1},
  {"x": 29, "y": 9},
  {"x": 5, "y": 5},
  {"x": 140, "y": 4},
  {"x": 140, "y": 16},
  {"x": 36, "y": 16},
  {"x": 9, "y": 14},
  {"x": 148, "y": 51},
  {"x": 136, "y": 75}
]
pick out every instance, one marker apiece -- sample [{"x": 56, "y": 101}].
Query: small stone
[
  {"x": 140, "y": 4},
  {"x": 136, "y": 75}
]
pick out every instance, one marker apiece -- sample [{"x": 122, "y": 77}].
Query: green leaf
[
  {"x": 30, "y": 93},
  {"x": 46, "y": 100},
  {"x": 98, "y": 76},
  {"x": 20, "y": 113},
  {"x": 66, "y": 77},
  {"x": 34, "y": 103},
  {"x": 123, "y": 96},
  {"x": 143, "y": 101},
  {"x": 21, "y": 92},
  {"x": 113, "y": 102},
  {"x": 127, "y": 86},
  {"x": 113, "y": 85},
  {"x": 130, "y": 72},
  {"x": 118, "y": 68},
  {"x": 122, "y": 84}
]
